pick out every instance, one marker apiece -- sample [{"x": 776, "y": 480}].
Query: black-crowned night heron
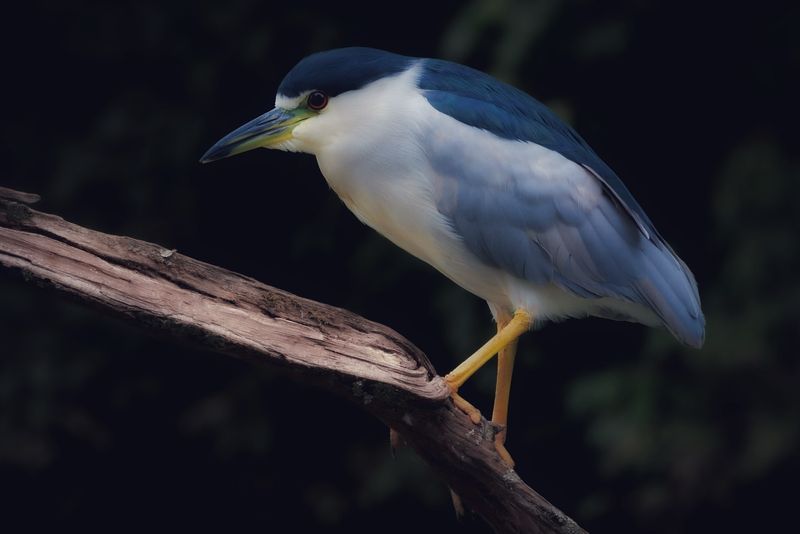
[{"x": 487, "y": 185}]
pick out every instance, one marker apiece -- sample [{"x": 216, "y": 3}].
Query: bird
[{"x": 486, "y": 184}]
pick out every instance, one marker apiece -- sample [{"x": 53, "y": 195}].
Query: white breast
[{"x": 368, "y": 150}]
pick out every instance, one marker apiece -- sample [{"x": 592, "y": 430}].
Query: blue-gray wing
[{"x": 542, "y": 217}]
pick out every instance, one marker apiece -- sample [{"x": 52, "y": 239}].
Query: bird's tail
[{"x": 670, "y": 289}]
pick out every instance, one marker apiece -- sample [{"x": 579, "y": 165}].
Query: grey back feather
[{"x": 544, "y": 218}]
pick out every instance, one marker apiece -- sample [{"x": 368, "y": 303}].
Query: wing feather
[{"x": 546, "y": 219}]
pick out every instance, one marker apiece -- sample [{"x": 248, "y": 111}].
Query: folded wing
[{"x": 546, "y": 218}]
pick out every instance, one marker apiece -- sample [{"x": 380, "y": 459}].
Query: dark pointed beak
[{"x": 265, "y": 131}]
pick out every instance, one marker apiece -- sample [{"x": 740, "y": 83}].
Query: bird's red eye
[{"x": 317, "y": 100}]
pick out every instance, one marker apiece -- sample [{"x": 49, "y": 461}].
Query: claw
[
  {"x": 500, "y": 446},
  {"x": 462, "y": 403}
]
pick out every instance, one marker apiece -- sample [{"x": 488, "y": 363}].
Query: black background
[{"x": 108, "y": 106}]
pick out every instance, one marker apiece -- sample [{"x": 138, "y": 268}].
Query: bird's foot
[
  {"x": 500, "y": 446},
  {"x": 462, "y": 403}
]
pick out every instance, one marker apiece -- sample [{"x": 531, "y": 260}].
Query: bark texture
[{"x": 226, "y": 312}]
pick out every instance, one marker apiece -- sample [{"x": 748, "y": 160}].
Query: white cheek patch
[{"x": 285, "y": 102}]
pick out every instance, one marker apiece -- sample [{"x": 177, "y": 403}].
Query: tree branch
[{"x": 229, "y": 313}]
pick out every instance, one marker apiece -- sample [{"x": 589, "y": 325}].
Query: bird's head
[{"x": 326, "y": 95}]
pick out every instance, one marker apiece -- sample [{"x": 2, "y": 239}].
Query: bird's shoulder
[{"x": 482, "y": 101}]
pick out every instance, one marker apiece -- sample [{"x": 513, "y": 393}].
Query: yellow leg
[
  {"x": 506, "y": 335},
  {"x": 502, "y": 391}
]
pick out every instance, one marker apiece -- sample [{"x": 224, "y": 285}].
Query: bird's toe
[
  {"x": 500, "y": 446},
  {"x": 464, "y": 405}
]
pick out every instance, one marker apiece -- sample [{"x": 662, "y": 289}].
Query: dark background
[{"x": 108, "y": 105}]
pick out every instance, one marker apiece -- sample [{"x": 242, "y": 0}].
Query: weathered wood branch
[{"x": 229, "y": 313}]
